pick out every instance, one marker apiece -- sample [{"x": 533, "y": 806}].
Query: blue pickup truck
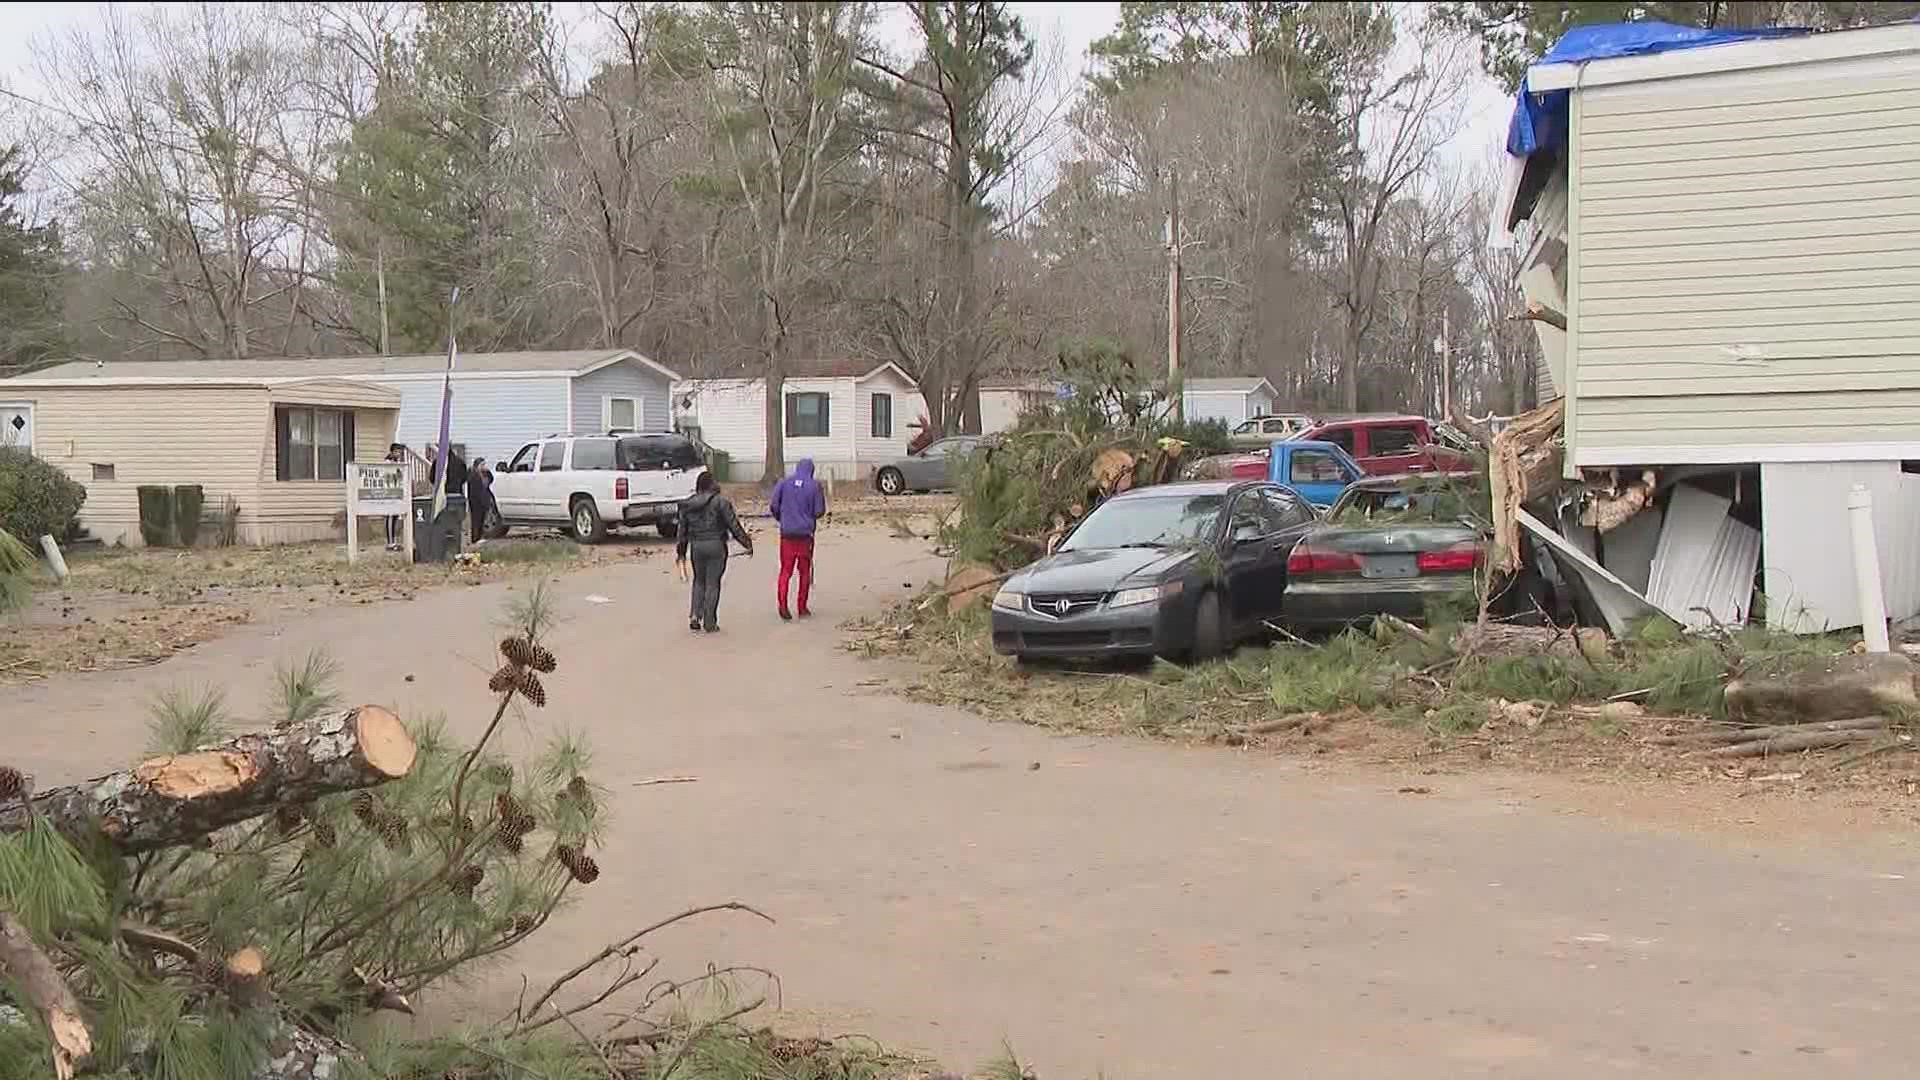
[{"x": 1319, "y": 471}]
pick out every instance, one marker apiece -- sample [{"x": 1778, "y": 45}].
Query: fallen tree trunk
[
  {"x": 1786, "y": 744},
  {"x": 1729, "y": 736},
  {"x": 1524, "y": 465},
  {"x": 25, "y": 967},
  {"x": 176, "y": 799},
  {"x": 1508, "y": 639}
]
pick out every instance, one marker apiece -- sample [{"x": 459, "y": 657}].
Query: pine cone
[
  {"x": 13, "y": 782},
  {"x": 288, "y": 818},
  {"x": 580, "y": 865},
  {"x": 363, "y": 808},
  {"x": 543, "y": 660},
  {"x": 518, "y": 651},
  {"x": 503, "y": 680},
  {"x": 579, "y": 789},
  {"x": 467, "y": 880},
  {"x": 324, "y": 835},
  {"x": 530, "y": 688},
  {"x": 393, "y": 831},
  {"x": 508, "y": 807},
  {"x": 524, "y": 923}
]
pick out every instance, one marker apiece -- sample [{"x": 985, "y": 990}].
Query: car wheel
[
  {"x": 889, "y": 481},
  {"x": 1209, "y": 631},
  {"x": 587, "y": 526},
  {"x": 668, "y": 529}
]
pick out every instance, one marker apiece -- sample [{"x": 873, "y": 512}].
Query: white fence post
[{"x": 1866, "y": 570}]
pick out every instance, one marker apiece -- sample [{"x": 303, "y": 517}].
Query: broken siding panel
[{"x": 1747, "y": 259}]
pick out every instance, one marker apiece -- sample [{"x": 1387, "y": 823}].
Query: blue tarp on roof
[{"x": 1540, "y": 120}]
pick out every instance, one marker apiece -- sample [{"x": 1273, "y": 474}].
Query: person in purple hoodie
[{"x": 798, "y": 505}]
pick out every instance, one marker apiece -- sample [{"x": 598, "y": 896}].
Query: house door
[{"x": 16, "y": 424}]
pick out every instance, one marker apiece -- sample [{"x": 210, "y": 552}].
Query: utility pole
[
  {"x": 380, "y": 279},
  {"x": 1173, "y": 291},
  {"x": 1446, "y": 367}
]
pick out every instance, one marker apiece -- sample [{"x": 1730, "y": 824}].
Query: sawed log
[{"x": 177, "y": 798}]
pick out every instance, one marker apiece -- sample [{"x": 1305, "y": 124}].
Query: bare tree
[
  {"x": 780, "y": 95},
  {"x": 1391, "y": 130},
  {"x": 181, "y": 138}
]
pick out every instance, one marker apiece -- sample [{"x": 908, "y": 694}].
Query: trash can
[
  {"x": 438, "y": 539},
  {"x": 720, "y": 464}
]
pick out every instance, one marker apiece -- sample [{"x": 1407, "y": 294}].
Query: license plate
[{"x": 1390, "y": 566}]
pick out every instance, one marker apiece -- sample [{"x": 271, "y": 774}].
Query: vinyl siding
[
  {"x": 729, "y": 413},
  {"x": 908, "y": 407},
  {"x": 211, "y": 436},
  {"x": 492, "y": 417},
  {"x": 628, "y": 378},
  {"x": 287, "y": 511},
  {"x": 1001, "y": 409},
  {"x": 1745, "y": 262},
  {"x": 1231, "y": 406},
  {"x": 1808, "y": 577}
]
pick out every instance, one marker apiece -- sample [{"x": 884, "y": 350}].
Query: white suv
[{"x": 589, "y": 483}]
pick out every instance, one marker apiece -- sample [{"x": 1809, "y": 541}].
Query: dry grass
[{"x": 127, "y": 608}]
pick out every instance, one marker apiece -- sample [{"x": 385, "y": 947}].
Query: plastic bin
[
  {"x": 438, "y": 539},
  {"x": 720, "y": 464}
]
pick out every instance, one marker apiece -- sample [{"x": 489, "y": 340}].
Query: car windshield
[
  {"x": 659, "y": 452},
  {"x": 1147, "y": 521},
  {"x": 1435, "y": 500}
]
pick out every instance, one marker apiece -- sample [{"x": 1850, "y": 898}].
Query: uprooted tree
[
  {"x": 239, "y": 906},
  {"x": 1112, "y": 431}
]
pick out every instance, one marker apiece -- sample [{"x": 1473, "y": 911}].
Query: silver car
[{"x": 936, "y": 468}]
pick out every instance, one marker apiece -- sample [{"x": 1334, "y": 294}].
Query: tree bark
[
  {"x": 24, "y": 966},
  {"x": 175, "y": 799},
  {"x": 1524, "y": 466},
  {"x": 1786, "y": 744}
]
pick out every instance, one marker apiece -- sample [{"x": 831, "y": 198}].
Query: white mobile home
[
  {"x": 1730, "y": 232},
  {"x": 848, "y": 416},
  {"x": 500, "y": 400},
  {"x": 1002, "y": 404},
  {"x": 1228, "y": 399}
]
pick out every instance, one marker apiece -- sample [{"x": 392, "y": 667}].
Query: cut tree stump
[
  {"x": 176, "y": 799},
  {"x": 1509, "y": 639},
  {"x": 1837, "y": 689},
  {"x": 1786, "y": 744},
  {"x": 26, "y": 968}
]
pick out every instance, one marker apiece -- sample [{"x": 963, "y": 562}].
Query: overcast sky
[{"x": 1073, "y": 25}]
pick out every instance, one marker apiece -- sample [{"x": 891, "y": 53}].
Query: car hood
[{"x": 1099, "y": 569}]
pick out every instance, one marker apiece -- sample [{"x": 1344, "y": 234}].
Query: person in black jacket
[{"x": 706, "y": 521}]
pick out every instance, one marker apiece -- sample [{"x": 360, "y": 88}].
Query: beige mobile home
[
  {"x": 1731, "y": 236},
  {"x": 278, "y": 447}
]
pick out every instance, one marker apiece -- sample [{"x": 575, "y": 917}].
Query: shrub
[
  {"x": 36, "y": 498},
  {"x": 188, "y": 502},
  {"x": 156, "y": 514}
]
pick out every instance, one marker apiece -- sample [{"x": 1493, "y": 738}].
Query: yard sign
[{"x": 379, "y": 489}]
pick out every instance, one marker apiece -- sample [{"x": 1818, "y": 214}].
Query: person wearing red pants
[{"x": 798, "y": 505}]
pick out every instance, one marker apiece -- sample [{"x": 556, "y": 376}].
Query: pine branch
[{"x": 24, "y": 965}]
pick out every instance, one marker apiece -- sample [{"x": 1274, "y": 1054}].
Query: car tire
[
  {"x": 668, "y": 529},
  {"x": 1209, "y": 629},
  {"x": 888, "y": 481},
  {"x": 585, "y": 522}
]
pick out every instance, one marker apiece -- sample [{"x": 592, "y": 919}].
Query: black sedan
[
  {"x": 1390, "y": 545},
  {"x": 1177, "y": 570}
]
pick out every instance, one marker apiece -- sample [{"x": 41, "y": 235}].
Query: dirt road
[{"x": 1131, "y": 910}]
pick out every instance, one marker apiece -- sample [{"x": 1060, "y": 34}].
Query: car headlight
[
  {"x": 1146, "y": 594},
  {"x": 1009, "y": 599}
]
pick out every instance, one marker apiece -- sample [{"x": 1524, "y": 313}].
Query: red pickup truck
[{"x": 1388, "y": 445}]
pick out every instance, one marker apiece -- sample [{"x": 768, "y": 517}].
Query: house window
[
  {"x": 102, "y": 472},
  {"x": 882, "y": 416},
  {"x": 312, "y": 444},
  {"x": 623, "y": 414},
  {"x": 807, "y": 416}
]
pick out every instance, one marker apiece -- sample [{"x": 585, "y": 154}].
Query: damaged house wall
[{"x": 1741, "y": 273}]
